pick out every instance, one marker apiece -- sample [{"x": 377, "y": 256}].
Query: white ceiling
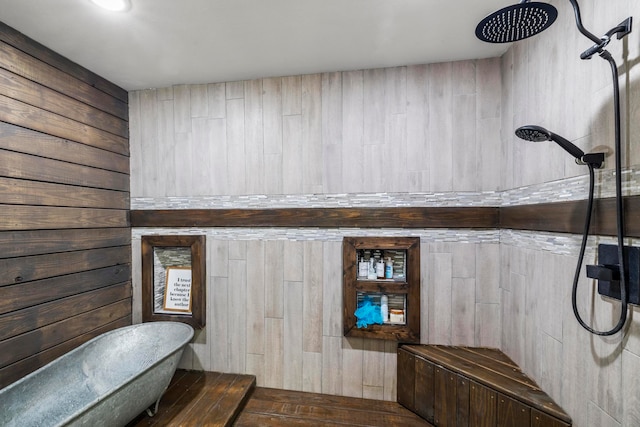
[{"x": 159, "y": 43}]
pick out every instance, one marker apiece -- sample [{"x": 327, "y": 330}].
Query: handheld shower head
[
  {"x": 516, "y": 22},
  {"x": 539, "y": 134}
]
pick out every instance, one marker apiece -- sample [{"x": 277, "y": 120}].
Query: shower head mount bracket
[
  {"x": 621, "y": 30},
  {"x": 594, "y": 159}
]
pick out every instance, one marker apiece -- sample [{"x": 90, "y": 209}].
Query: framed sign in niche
[{"x": 173, "y": 279}]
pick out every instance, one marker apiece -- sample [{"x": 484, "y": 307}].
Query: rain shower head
[
  {"x": 516, "y": 22},
  {"x": 539, "y": 134}
]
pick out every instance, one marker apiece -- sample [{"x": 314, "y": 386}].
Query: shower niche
[
  {"x": 173, "y": 279},
  {"x": 381, "y": 288}
]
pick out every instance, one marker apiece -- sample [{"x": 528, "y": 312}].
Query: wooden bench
[{"x": 465, "y": 386}]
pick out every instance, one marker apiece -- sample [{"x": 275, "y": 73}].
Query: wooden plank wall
[{"x": 65, "y": 240}]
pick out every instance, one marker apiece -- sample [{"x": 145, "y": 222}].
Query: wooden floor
[{"x": 215, "y": 399}]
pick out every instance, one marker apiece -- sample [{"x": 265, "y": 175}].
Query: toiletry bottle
[
  {"x": 384, "y": 308},
  {"x": 363, "y": 267},
  {"x": 380, "y": 268},
  {"x": 372, "y": 269},
  {"x": 388, "y": 269}
]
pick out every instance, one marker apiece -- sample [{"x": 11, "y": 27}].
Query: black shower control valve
[
  {"x": 610, "y": 273},
  {"x": 607, "y": 273}
]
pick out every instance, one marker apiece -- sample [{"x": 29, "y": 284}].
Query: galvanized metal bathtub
[{"x": 107, "y": 381}]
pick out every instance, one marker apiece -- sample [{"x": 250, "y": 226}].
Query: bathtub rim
[{"x": 180, "y": 345}]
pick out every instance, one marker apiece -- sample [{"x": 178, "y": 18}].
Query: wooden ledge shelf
[{"x": 463, "y": 386}]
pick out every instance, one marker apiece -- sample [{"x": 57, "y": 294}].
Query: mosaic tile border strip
[
  {"x": 558, "y": 243},
  {"x": 575, "y": 188},
  {"x": 327, "y": 235},
  {"x": 378, "y": 200}
]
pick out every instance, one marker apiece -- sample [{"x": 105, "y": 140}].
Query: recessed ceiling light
[{"x": 113, "y": 5}]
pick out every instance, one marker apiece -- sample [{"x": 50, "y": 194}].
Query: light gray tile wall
[
  {"x": 584, "y": 373},
  {"x": 274, "y": 306},
  {"x": 544, "y": 82},
  {"x": 361, "y": 131}
]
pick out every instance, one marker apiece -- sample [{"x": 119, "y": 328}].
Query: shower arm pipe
[
  {"x": 576, "y": 10},
  {"x": 581, "y": 28}
]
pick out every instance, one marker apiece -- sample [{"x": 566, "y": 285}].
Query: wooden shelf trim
[
  {"x": 428, "y": 217},
  {"x": 560, "y": 217}
]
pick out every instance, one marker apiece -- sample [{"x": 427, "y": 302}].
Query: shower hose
[{"x": 619, "y": 217}]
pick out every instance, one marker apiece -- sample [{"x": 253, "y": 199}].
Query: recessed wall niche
[
  {"x": 173, "y": 279},
  {"x": 381, "y": 303}
]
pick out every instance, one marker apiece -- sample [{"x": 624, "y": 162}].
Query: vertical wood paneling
[
  {"x": 199, "y": 100},
  {"x": 352, "y": 131},
  {"x": 394, "y": 154},
  {"x": 64, "y": 182},
  {"x": 255, "y": 296},
  {"x": 254, "y": 137},
  {"x": 234, "y": 90},
  {"x": 277, "y": 313},
  {"x": 292, "y": 95},
  {"x": 236, "y": 166},
  {"x": 441, "y": 127},
  {"x": 274, "y": 353},
  {"x": 149, "y": 142},
  {"x": 463, "y": 298},
  {"x": 332, "y": 132},
  {"x": 312, "y": 372},
  {"x": 274, "y": 279},
  {"x": 293, "y": 261},
  {"x": 272, "y": 90},
  {"x": 373, "y": 368},
  {"x": 237, "y": 326},
  {"x": 293, "y": 336},
  {"x": 332, "y": 365},
  {"x": 465, "y": 159},
  {"x": 374, "y": 129},
  {"x": 217, "y": 304},
  {"x": 201, "y": 157},
  {"x": 218, "y": 177},
  {"x": 407, "y": 369},
  {"x": 445, "y": 387},
  {"x": 292, "y": 154},
  {"x": 424, "y": 388},
  {"x": 332, "y": 290},
  {"x": 312, "y": 298},
  {"x": 483, "y": 403},
  {"x": 216, "y": 95},
  {"x": 312, "y": 133},
  {"x": 352, "y": 356},
  {"x": 440, "y": 281},
  {"x": 390, "y": 366},
  {"x": 417, "y": 122},
  {"x": 182, "y": 109},
  {"x": 401, "y": 129},
  {"x": 221, "y": 338}
]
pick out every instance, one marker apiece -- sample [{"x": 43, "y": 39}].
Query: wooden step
[
  {"x": 196, "y": 398},
  {"x": 275, "y": 407}
]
